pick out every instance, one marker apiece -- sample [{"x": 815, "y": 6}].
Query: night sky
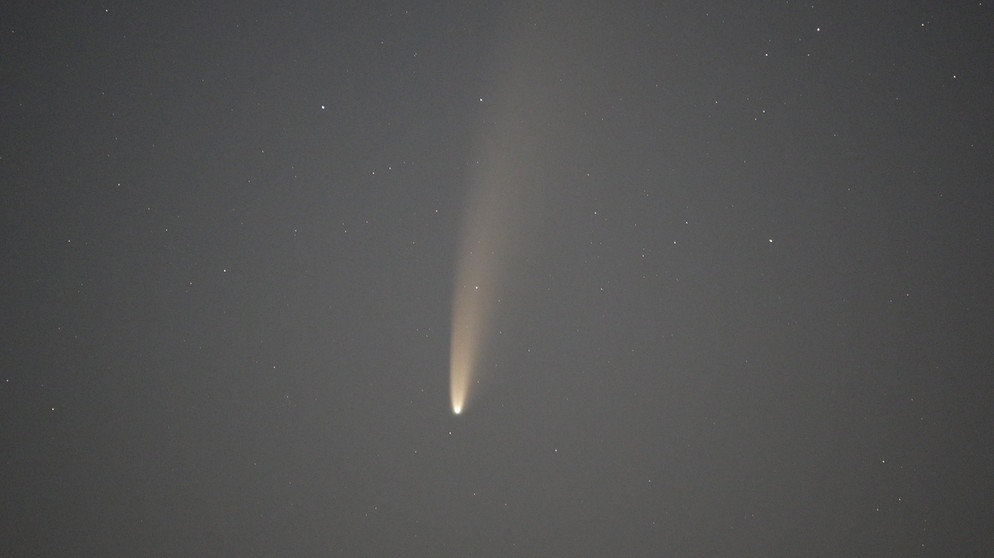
[{"x": 740, "y": 297}]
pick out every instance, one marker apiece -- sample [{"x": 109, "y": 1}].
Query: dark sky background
[{"x": 748, "y": 313}]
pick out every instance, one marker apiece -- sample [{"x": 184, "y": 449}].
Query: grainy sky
[{"x": 744, "y": 279}]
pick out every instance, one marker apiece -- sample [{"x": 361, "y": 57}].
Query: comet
[
  {"x": 512, "y": 162},
  {"x": 471, "y": 311},
  {"x": 479, "y": 270},
  {"x": 464, "y": 351}
]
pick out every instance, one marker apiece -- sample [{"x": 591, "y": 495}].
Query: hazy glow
[
  {"x": 510, "y": 148},
  {"x": 463, "y": 348},
  {"x": 476, "y": 279},
  {"x": 470, "y": 310}
]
